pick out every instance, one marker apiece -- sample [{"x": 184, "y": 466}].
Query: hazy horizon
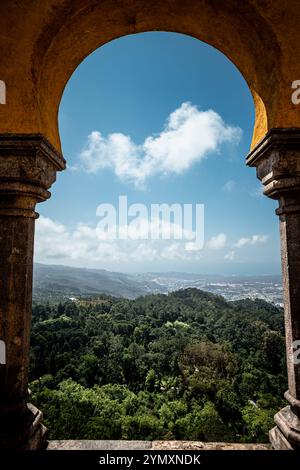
[{"x": 162, "y": 272}]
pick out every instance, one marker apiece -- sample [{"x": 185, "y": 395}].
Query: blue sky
[{"x": 160, "y": 118}]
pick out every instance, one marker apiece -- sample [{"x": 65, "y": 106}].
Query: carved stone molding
[
  {"x": 277, "y": 162},
  {"x": 28, "y": 166}
]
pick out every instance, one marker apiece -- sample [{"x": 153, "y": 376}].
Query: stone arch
[
  {"x": 41, "y": 45},
  {"x": 73, "y": 29},
  {"x": 198, "y": 24}
]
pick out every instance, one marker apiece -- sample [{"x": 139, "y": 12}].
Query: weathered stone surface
[
  {"x": 152, "y": 445},
  {"x": 278, "y": 440},
  {"x": 28, "y": 166},
  {"x": 289, "y": 425},
  {"x": 98, "y": 445},
  {"x": 197, "y": 445},
  {"x": 22, "y": 430},
  {"x": 39, "y": 56},
  {"x": 277, "y": 161}
]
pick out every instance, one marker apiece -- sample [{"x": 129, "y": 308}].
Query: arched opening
[
  {"x": 149, "y": 380},
  {"x": 238, "y": 33},
  {"x": 36, "y": 62}
]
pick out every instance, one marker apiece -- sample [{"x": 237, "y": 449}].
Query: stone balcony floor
[{"x": 151, "y": 445}]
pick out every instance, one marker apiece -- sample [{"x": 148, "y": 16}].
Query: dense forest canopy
[{"x": 187, "y": 365}]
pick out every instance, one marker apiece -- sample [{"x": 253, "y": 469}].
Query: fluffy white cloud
[
  {"x": 254, "y": 240},
  {"x": 86, "y": 245},
  {"x": 188, "y": 136},
  {"x": 218, "y": 242},
  {"x": 90, "y": 246}
]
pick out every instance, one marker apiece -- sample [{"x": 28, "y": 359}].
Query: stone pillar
[
  {"x": 28, "y": 166},
  {"x": 277, "y": 160}
]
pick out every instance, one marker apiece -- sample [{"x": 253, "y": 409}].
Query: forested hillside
[{"x": 188, "y": 365}]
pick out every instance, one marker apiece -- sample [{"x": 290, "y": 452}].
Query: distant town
[
  {"x": 69, "y": 282},
  {"x": 268, "y": 288}
]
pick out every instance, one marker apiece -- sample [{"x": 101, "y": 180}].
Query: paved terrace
[{"x": 152, "y": 445}]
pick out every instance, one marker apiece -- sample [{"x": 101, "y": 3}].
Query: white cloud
[
  {"x": 229, "y": 186},
  {"x": 86, "y": 245},
  {"x": 218, "y": 242},
  {"x": 230, "y": 256},
  {"x": 89, "y": 246},
  {"x": 254, "y": 240},
  {"x": 192, "y": 246},
  {"x": 188, "y": 137}
]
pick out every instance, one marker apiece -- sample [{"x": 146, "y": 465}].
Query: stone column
[
  {"x": 28, "y": 166},
  {"x": 277, "y": 160}
]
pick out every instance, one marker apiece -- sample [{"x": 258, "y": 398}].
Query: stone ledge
[{"x": 151, "y": 445}]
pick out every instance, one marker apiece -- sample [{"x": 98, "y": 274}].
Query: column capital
[
  {"x": 28, "y": 166},
  {"x": 277, "y": 162}
]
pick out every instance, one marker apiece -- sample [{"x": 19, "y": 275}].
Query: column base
[
  {"x": 25, "y": 432},
  {"x": 278, "y": 441},
  {"x": 286, "y": 434}
]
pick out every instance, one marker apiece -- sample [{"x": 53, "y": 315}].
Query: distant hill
[
  {"x": 65, "y": 281},
  {"x": 55, "y": 282}
]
